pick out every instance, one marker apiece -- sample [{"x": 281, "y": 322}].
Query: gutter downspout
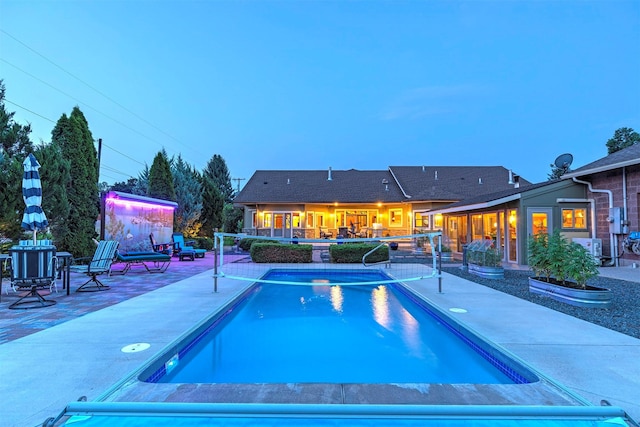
[
  {"x": 625, "y": 224},
  {"x": 612, "y": 239}
]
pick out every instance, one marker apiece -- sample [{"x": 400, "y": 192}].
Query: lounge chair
[
  {"x": 32, "y": 268},
  {"x": 185, "y": 250},
  {"x": 99, "y": 264},
  {"x": 153, "y": 262}
]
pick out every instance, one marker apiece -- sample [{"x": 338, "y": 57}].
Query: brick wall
[{"x": 613, "y": 180}]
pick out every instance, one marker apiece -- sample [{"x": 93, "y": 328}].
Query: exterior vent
[
  {"x": 479, "y": 180},
  {"x": 329, "y": 178}
]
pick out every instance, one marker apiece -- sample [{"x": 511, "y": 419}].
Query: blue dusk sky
[{"x": 319, "y": 84}]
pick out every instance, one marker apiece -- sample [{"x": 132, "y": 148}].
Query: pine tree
[
  {"x": 187, "y": 183},
  {"x": 217, "y": 171},
  {"x": 622, "y": 138},
  {"x": 212, "y": 206},
  {"x": 142, "y": 185},
  {"x": 15, "y": 146},
  {"x": 160, "y": 179},
  {"x": 55, "y": 173},
  {"x": 74, "y": 138}
]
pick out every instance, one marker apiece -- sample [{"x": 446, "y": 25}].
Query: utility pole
[{"x": 238, "y": 180}]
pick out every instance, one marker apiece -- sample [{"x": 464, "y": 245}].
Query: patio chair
[
  {"x": 325, "y": 233},
  {"x": 32, "y": 268},
  {"x": 99, "y": 264},
  {"x": 162, "y": 248},
  {"x": 185, "y": 250}
]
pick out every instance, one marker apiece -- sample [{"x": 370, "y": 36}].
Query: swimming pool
[
  {"x": 534, "y": 401},
  {"x": 524, "y": 385},
  {"x": 330, "y": 332}
]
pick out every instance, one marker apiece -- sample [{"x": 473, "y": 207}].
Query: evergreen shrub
[
  {"x": 273, "y": 252},
  {"x": 351, "y": 253}
]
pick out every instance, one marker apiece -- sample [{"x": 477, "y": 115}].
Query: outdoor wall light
[{"x": 132, "y": 203}]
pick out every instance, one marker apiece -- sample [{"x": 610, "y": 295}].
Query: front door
[
  {"x": 539, "y": 221},
  {"x": 278, "y": 225}
]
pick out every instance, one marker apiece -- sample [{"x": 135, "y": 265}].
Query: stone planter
[
  {"x": 589, "y": 297},
  {"x": 486, "y": 271}
]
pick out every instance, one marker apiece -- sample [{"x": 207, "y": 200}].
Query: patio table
[{"x": 65, "y": 259}]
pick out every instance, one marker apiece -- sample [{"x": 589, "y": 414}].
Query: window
[
  {"x": 267, "y": 220},
  {"x": 395, "y": 217},
  {"x": 421, "y": 220},
  {"x": 254, "y": 219},
  {"x": 574, "y": 218},
  {"x": 311, "y": 216},
  {"x": 437, "y": 221}
]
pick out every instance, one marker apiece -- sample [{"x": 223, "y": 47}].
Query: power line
[
  {"x": 124, "y": 155},
  {"x": 111, "y": 148},
  {"x": 81, "y": 102},
  {"x": 99, "y": 92},
  {"x": 26, "y": 109}
]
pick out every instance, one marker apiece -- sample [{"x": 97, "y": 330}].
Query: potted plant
[
  {"x": 484, "y": 259},
  {"x": 445, "y": 253},
  {"x": 561, "y": 270}
]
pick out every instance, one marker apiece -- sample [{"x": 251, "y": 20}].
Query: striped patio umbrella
[{"x": 34, "y": 217}]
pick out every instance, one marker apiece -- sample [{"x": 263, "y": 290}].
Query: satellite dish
[{"x": 564, "y": 161}]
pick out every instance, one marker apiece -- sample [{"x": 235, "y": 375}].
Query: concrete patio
[{"x": 78, "y": 351}]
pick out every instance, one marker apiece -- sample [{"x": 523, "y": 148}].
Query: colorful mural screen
[{"x": 130, "y": 219}]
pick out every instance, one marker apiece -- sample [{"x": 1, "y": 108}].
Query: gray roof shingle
[
  {"x": 452, "y": 182},
  {"x": 313, "y": 186},
  {"x": 416, "y": 183},
  {"x": 626, "y": 156}
]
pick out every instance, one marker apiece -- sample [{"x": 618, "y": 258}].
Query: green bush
[
  {"x": 273, "y": 252},
  {"x": 351, "y": 253},
  {"x": 229, "y": 240},
  {"x": 203, "y": 243},
  {"x": 554, "y": 257},
  {"x": 245, "y": 244}
]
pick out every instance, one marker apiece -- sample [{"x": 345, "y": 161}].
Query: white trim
[
  {"x": 477, "y": 205},
  {"x": 601, "y": 169}
]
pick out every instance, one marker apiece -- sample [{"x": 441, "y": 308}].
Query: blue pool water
[{"x": 332, "y": 333}]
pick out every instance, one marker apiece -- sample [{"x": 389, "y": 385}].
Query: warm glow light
[
  {"x": 380, "y": 300},
  {"x": 337, "y": 298},
  {"x": 379, "y": 204},
  {"x": 136, "y": 204}
]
